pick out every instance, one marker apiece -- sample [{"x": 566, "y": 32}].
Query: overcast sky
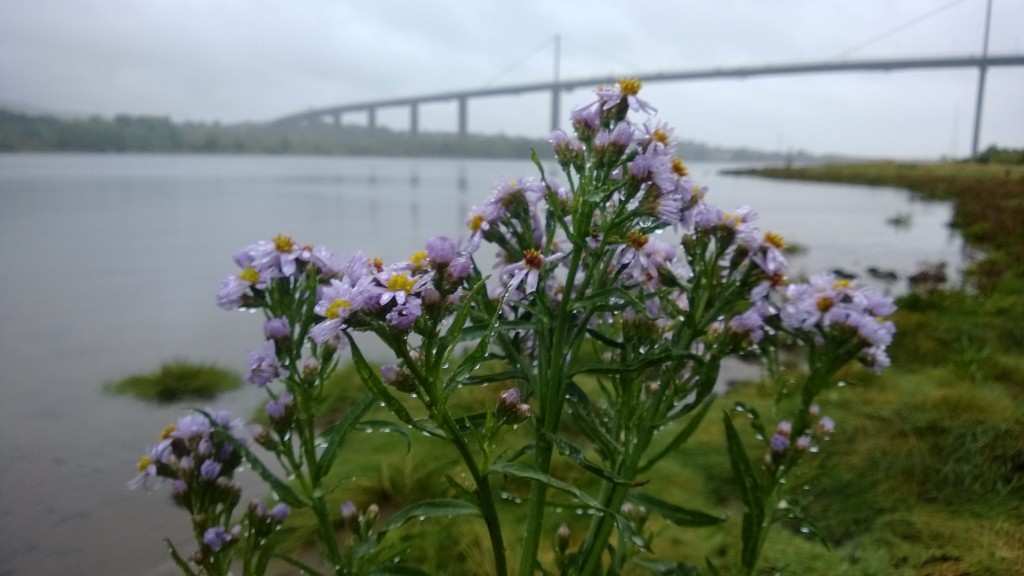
[{"x": 237, "y": 60}]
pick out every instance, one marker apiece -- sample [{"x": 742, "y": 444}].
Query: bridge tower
[{"x": 982, "y": 69}]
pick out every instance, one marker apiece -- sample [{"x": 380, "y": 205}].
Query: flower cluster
[{"x": 626, "y": 274}]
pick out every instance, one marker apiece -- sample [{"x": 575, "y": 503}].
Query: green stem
[{"x": 484, "y": 494}]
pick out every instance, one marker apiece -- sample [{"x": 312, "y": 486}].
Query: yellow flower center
[
  {"x": 143, "y": 463},
  {"x": 660, "y": 135},
  {"x": 824, "y": 304},
  {"x": 419, "y": 259},
  {"x": 400, "y": 282},
  {"x": 732, "y": 220},
  {"x": 167, "y": 431},
  {"x": 378, "y": 264},
  {"x": 249, "y": 275},
  {"x": 679, "y": 168},
  {"x": 476, "y": 222},
  {"x": 284, "y": 244},
  {"x": 336, "y": 306},
  {"x": 841, "y": 284},
  {"x": 774, "y": 239},
  {"x": 636, "y": 240},
  {"x": 629, "y": 86},
  {"x": 532, "y": 259}
]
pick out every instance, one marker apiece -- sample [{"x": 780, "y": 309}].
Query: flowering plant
[{"x": 615, "y": 300}]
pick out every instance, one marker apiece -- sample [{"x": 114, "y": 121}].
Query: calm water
[{"x": 110, "y": 264}]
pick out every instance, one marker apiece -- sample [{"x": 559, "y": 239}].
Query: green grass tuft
[{"x": 177, "y": 380}]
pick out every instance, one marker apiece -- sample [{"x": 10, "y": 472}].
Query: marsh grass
[{"x": 177, "y": 380}]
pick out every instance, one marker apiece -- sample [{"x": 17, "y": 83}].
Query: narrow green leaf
[
  {"x": 666, "y": 568},
  {"x": 396, "y": 570},
  {"x": 376, "y": 385},
  {"x": 753, "y": 518},
  {"x": 388, "y": 427},
  {"x": 583, "y": 414},
  {"x": 266, "y": 552},
  {"x": 755, "y": 418},
  {"x": 449, "y": 341},
  {"x": 444, "y": 507},
  {"x": 682, "y": 436},
  {"x": 472, "y": 422},
  {"x": 475, "y": 331},
  {"x": 182, "y": 564},
  {"x": 712, "y": 569},
  {"x": 335, "y": 434},
  {"x": 474, "y": 358},
  {"x": 611, "y": 343},
  {"x": 303, "y": 567},
  {"x": 574, "y": 453},
  {"x": 528, "y": 473},
  {"x": 495, "y": 377},
  {"x": 674, "y": 514},
  {"x": 280, "y": 487}
]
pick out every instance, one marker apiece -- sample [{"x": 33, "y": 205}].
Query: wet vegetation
[
  {"x": 177, "y": 380},
  {"x": 925, "y": 474}
]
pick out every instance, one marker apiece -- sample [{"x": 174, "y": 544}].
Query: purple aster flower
[
  {"x": 277, "y": 408},
  {"x": 402, "y": 316},
  {"x": 264, "y": 365},
  {"x": 322, "y": 258},
  {"x": 528, "y": 270},
  {"x": 191, "y": 426},
  {"x": 586, "y": 120},
  {"x": 568, "y": 151},
  {"x": 750, "y": 322},
  {"x": 215, "y": 538},
  {"x": 337, "y": 302},
  {"x": 610, "y": 96},
  {"x": 209, "y": 470},
  {"x": 277, "y": 329},
  {"x": 441, "y": 250}
]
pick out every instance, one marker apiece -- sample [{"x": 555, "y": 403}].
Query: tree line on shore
[{"x": 123, "y": 133}]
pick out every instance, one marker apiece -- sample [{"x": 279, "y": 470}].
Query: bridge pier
[
  {"x": 414, "y": 118},
  {"x": 463, "y": 116},
  {"x": 556, "y": 108},
  {"x": 371, "y": 118},
  {"x": 337, "y": 118}
]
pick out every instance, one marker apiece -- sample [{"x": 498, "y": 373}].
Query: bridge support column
[
  {"x": 463, "y": 117},
  {"x": 414, "y": 118},
  {"x": 337, "y": 118},
  {"x": 556, "y": 108},
  {"x": 371, "y": 118}
]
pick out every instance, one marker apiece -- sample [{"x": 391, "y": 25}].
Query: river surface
[{"x": 109, "y": 265}]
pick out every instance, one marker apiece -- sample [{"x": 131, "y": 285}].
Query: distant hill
[{"x": 23, "y": 132}]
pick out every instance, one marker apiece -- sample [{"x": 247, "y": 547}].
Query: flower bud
[
  {"x": 310, "y": 367},
  {"x": 277, "y": 329},
  {"x": 826, "y": 425},
  {"x": 803, "y": 443},
  {"x": 785, "y": 428},
  {"x": 349, "y": 513},
  {"x": 372, "y": 512},
  {"x": 779, "y": 443},
  {"x": 562, "y": 538},
  {"x": 279, "y": 512}
]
